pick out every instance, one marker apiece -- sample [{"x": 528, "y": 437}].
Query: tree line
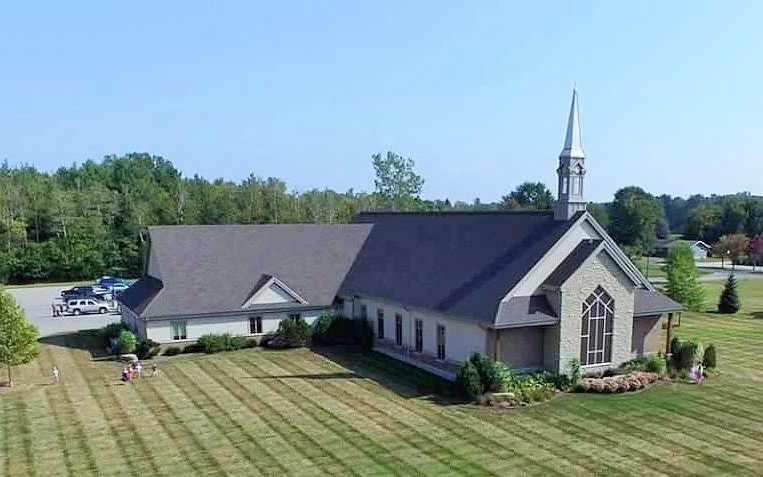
[{"x": 87, "y": 220}]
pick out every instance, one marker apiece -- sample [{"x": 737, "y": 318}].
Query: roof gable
[{"x": 270, "y": 291}]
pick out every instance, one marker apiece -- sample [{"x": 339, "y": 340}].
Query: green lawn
[{"x": 296, "y": 412}]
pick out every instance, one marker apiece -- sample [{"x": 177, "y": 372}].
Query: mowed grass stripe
[
  {"x": 469, "y": 447},
  {"x": 589, "y": 437},
  {"x": 234, "y": 433},
  {"x": 425, "y": 460},
  {"x": 287, "y": 456},
  {"x": 290, "y": 420},
  {"x": 73, "y": 438},
  {"x": 457, "y": 424},
  {"x": 575, "y": 461},
  {"x": 643, "y": 428},
  {"x": 184, "y": 437}
]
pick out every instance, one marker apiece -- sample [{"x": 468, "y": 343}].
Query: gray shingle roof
[
  {"x": 572, "y": 262},
  {"x": 214, "y": 268},
  {"x": 646, "y": 302},
  {"x": 520, "y": 311},
  {"x": 458, "y": 263},
  {"x": 139, "y": 294}
]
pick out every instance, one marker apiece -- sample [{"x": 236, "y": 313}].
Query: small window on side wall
[
  {"x": 178, "y": 330},
  {"x": 255, "y": 325}
]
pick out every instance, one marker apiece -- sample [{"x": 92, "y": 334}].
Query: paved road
[
  {"x": 717, "y": 275},
  {"x": 36, "y": 304}
]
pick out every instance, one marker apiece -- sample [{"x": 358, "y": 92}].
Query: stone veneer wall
[{"x": 602, "y": 271}]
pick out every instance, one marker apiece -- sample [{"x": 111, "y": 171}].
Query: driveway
[{"x": 36, "y": 303}]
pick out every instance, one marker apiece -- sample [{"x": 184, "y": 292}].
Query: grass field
[{"x": 297, "y": 412}]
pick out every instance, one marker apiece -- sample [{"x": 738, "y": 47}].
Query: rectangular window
[
  {"x": 398, "y": 329},
  {"x": 440, "y": 342},
  {"x": 255, "y": 325},
  {"x": 419, "y": 342},
  {"x": 380, "y": 323},
  {"x": 178, "y": 330},
  {"x": 295, "y": 316},
  {"x": 364, "y": 312}
]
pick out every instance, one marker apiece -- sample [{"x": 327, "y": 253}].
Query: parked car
[
  {"x": 109, "y": 283},
  {"x": 78, "y": 292},
  {"x": 82, "y": 306},
  {"x": 118, "y": 288}
]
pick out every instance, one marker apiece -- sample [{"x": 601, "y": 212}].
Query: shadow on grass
[
  {"x": 87, "y": 340},
  {"x": 317, "y": 376},
  {"x": 401, "y": 378}
]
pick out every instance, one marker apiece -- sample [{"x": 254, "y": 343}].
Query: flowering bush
[{"x": 619, "y": 384}]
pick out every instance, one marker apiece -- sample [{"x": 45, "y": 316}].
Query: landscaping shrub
[
  {"x": 322, "y": 328},
  {"x": 147, "y": 349},
  {"x": 171, "y": 351},
  {"x": 691, "y": 354},
  {"x": 468, "y": 381},
  {"x": 505, "y": 376},
  {"x": 675, "y": 349},
  {"x": 650, "y": 364},
  {"x": 336, "y": 329},
  {"x": 729, "y": 302},
  {"x": 192, "y": 348},
  {"x": 112, "y": 330},
  {"x": 292, "y": 332},
  {"x": 709, "y": 359},
  {"x": 126, "y": 342},
  {"x": 574, "y": 372},
  {"x": 487, "y": 372},
  {"x": 655, "y": 364},
  {"x": 215, "y": 343}
]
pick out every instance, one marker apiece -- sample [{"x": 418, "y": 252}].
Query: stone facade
[{"x": 599, "y": 270}]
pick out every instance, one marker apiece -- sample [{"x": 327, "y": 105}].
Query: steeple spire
[
  {"x": 573, "y": 147},
  {"x": 571, "y": 169}
]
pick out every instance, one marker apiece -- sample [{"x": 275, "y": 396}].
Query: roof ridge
[{"x": 460, "y": 212}]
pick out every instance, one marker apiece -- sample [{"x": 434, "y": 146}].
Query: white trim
[{"x": 267, "y": 285}]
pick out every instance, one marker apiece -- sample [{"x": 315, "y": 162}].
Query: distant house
[
  {"x": 533, "y": 288},
  {"x": 699, "y": 249}
]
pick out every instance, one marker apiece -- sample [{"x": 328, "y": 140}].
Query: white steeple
[
  {"x": 573, "y": 147},
  {"x": 571, "y": 169}
]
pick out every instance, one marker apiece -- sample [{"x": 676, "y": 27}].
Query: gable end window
[
  {"x": 380, "y": 323},
  {"x": 177, "y": 329},
  {"x": 596, "y": 328},
  {"x": 255, "y": 325}
]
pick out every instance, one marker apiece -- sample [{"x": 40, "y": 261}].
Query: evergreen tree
[
  {"x": 683, "y": 285},
  {"x": 18, "y": 338},
  {"x": 729, "y": 302}
]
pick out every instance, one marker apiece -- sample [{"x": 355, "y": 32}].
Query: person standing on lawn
[{"x": 55, "y": 375}]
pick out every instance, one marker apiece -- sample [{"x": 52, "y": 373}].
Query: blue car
[{"x": 110, "y": 283}]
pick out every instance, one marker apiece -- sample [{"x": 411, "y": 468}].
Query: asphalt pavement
[{"x": 36, "y": 303}]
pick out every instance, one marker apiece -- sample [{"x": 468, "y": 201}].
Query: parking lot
[{"x": 36, "y": 302}]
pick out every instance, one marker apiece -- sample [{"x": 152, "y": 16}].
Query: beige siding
[
  {"x": 238, "y": 325},
  {"x": 522, "y": 348},
  {"x": 648, "y": 335},
  {"x": 462, "y": 338}
]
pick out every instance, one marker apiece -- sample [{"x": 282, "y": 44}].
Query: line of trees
[{"x": 86, "y": 220}]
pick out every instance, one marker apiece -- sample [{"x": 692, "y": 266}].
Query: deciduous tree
[
  {"x": 683, "y": 285},
  {"x": 18, "y": 338}
]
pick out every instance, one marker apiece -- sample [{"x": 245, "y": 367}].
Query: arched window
[{"x": 596, "y": 329}]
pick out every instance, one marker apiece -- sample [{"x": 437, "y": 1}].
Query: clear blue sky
[{"x": 671, "y": 92}]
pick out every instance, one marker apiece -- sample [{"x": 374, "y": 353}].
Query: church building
[{"x": 533, "y": 288}]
